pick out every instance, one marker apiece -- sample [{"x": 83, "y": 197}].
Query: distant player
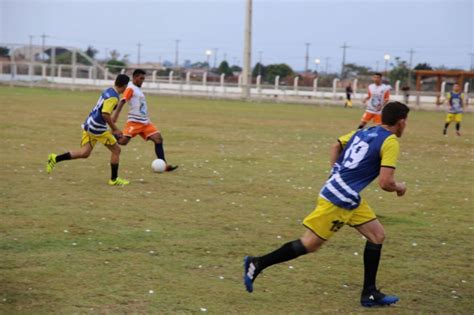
[
  {"x": 349, "y": 92},
  {"x": 378, "y": 95},
  {"x": 95, "y": 130},
  {"x": 138, "y": 122},
  {"x": 455, "y": 100},
  {"x": 357, "y": 159}
]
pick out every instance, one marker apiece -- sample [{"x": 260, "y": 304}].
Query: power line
[
  {"x": 139, "y": 46},
  {"x": 176, "y": 57},
  {"x": 344, "y": 47},
  {"x": 306, "y": 58}
]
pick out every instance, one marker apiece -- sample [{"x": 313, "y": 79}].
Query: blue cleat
[
  {"x": 377, "y": 298},
  {"x": 249, "y": 273}
]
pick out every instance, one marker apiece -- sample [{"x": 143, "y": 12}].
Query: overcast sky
[{"x": 439, "y": 31}]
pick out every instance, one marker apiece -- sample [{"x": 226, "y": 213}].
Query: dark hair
[
  {"x": 393, "y": 112},
  {"x": 378, "y": 73},
  {"x": 137, "y": 72},
  {"x": 122, "y": 80}
]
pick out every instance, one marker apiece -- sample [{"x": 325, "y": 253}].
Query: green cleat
[
  {"x": 51, "y": 163},
  {"x": 118, "y": 182}
]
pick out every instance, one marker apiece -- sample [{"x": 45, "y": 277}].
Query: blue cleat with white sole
[
  {"x": 249, "y": 273},
  {"x": 377, "y": 298}
]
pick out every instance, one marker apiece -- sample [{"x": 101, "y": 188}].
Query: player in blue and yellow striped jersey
[
  {"x": 357, "y": 159},
  {"x": 95, "y": 130},
  {"x": 455, "y": 100}
]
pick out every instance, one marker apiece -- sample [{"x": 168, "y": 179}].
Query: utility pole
[
  {"x": 472, "y": 61},
  {"x": 306, "y": 58},
  {"x": 215, "y": 57},
  {"x": 344, "y": 47},
  {"x": 410, "y": 66},
  {"x": 31, "y": 48},
  {"x": 246, "y": 71},
  {"x": 43, "y": 42},
  {"x": 176, "y": 56},
  {"x": 139, "y": 46}
]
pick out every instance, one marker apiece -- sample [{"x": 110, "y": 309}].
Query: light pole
[
  {"x": 317, "y": 61},
  {"x": 386, "y": 57},
  {"x": 208, "y": 56}
]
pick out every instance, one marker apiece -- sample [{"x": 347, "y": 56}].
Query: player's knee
[
  {"x": 116, "y": 149},
  {"x": 311, "y": 242},
  {"x": 85, "y": 154},
  {"x": 378, "y": 237}
]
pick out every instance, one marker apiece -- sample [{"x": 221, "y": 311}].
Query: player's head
[
  {"x": 121, "y": 82},
  {"x": 456, "y": 88},
  {"x": 138, "y": 77},
  {"x": 377, "y": 78},
  {"x": 395, "y": 115}
]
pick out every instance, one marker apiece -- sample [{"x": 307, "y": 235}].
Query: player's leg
[
  {"x": 364, "y": 120},
  {"x": 322, "y": 223},
  {"x": 153, "y": 134},
  {"x": 448, "y": 120},
  {"x": 87, "y": 144},
  {"x": 457, "y": 119},
  {"x": 115, "y": 180}
]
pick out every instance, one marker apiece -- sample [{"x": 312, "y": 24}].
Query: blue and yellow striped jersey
[
  {"x": 107, "y": 102},
  {"x": 365, "y": 151}
]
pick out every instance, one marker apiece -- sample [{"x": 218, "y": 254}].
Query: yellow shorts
[
  {"x": 106, "y": 138},
  {"x": 454, "y": 117},
  {"x": 328, "y": 218}
]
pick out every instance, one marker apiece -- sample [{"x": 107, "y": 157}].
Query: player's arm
[
  {"x": 337, "y": 148},
  {"x": 386, "y": 97},
  {"x": 107, "y": 109},
  {"x": 367, "y": 97},
  {"x": 389, "y": 153},
  {"x": 127, "y": 95}
]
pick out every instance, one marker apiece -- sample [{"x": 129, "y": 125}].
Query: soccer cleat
[
  {"x": 377, "y": 298},
  {"x": 444, "y": 132},
  {"x": 170, "y": 168},
  {"x": 118, "y": 182},
  {"x": 458, "y": 133},
  {"x": 51, "y": 163},
  {"x": 249, "y": 273}
]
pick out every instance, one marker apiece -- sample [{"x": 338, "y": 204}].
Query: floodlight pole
[{"x": 246, "y": 73}]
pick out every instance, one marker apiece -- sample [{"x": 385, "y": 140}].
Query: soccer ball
[{"x": 158, "y": 166}]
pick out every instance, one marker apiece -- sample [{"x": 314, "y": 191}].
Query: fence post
[
  {"x": 122, "y": 71},
  {"x": 239, "y": 81},
  {"x": 222, "y": 80},
  {"x": 204, "y": 79},
  {"x": 259, "y": 83},
  {"x": 90, "y": 72},
  {"x": 43, "y": 71},
  {"x": 315, "y": 85},
  {"x": 354, "y": 87},
  {"x": 466, "y": 92},
  {"x": 170, "y": 79},
  {"x": 153, "y": 76},
  {"x": 295, "y": 85},
  {"x": 397, "y": 87},
  {"x": 334, "y": 88},
  {"x": 188, "y": 78},
  {"x": 60, "y": 70},
  {"x": 277, "y": 82}
]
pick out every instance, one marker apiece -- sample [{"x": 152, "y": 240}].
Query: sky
[{"x": 440, "y": 32}]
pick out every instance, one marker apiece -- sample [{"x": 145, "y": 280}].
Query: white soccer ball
[{"x": 158, "y": 166}]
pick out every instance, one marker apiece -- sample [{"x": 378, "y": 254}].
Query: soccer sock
[
  {"x": 114, "y": 168},
  {"x": 288, "y": 251},
  {"x": 160, "y": 152},
  {"x": 446, "y": 126},
  {"x": 458, "y": 126},
  {"x": 63, "y": 157},
  {"x": 372, "y": 254}
]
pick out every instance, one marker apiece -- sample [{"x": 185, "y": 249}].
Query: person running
[
  {"x": 95, "y": 130},
  {"x": 357, "y": 159},
  {"x": 138, "y": 122},
  {"x": 378, "y": 95},
  {"x": 455, "y": 100}
]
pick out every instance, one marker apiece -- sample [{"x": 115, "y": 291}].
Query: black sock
[
  {"x": 458, "y": 126},
  {"x": 160, "y": 152},
  {"x": 63, "y": 157},
  {"x": 446, "y": 126},
  {"x": 114, "y": 168},
  {"x": 372, "y": 254},
  {"x": 288, "y": 251},
  {"x": 360, "y": 126}
]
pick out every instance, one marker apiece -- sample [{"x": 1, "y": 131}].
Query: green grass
[{"x": 249, "y": 173}]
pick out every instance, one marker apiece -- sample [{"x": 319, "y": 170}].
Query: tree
[
  {"x": 259, "y": 69},
  {"x": 354, "y": 70},
  {"x": 423, "y": 66},
  {"x": 115, "y": 65},
  {"x": 400, "y": 71},
  {"x": 66, "y": 59},
  {"x": 236, "y": 68},
  {"x": 91, "y": 52},
  {"x": 4, "y": 51},
  {"x": 283, "y": 70},
  {"x": 225, "y": 69}
]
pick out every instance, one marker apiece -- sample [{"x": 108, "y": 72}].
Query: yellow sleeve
[
  {"x": 109, "y": 105},
  {"x": 390, "y": 151},
  {"x": 345, "y": 138},
  {"x": 448, "y": 95}
]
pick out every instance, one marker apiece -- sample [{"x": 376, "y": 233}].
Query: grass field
[{"x": 249, "y": 173}]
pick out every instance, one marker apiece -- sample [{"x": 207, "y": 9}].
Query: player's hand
[
  {"x": 117, "y": 133},
  {"x": 401, "y": 189}
]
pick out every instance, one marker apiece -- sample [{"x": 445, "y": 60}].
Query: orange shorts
[
  {"x": 133, "y": 128},
  {"x": 377, "y": 118}
]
